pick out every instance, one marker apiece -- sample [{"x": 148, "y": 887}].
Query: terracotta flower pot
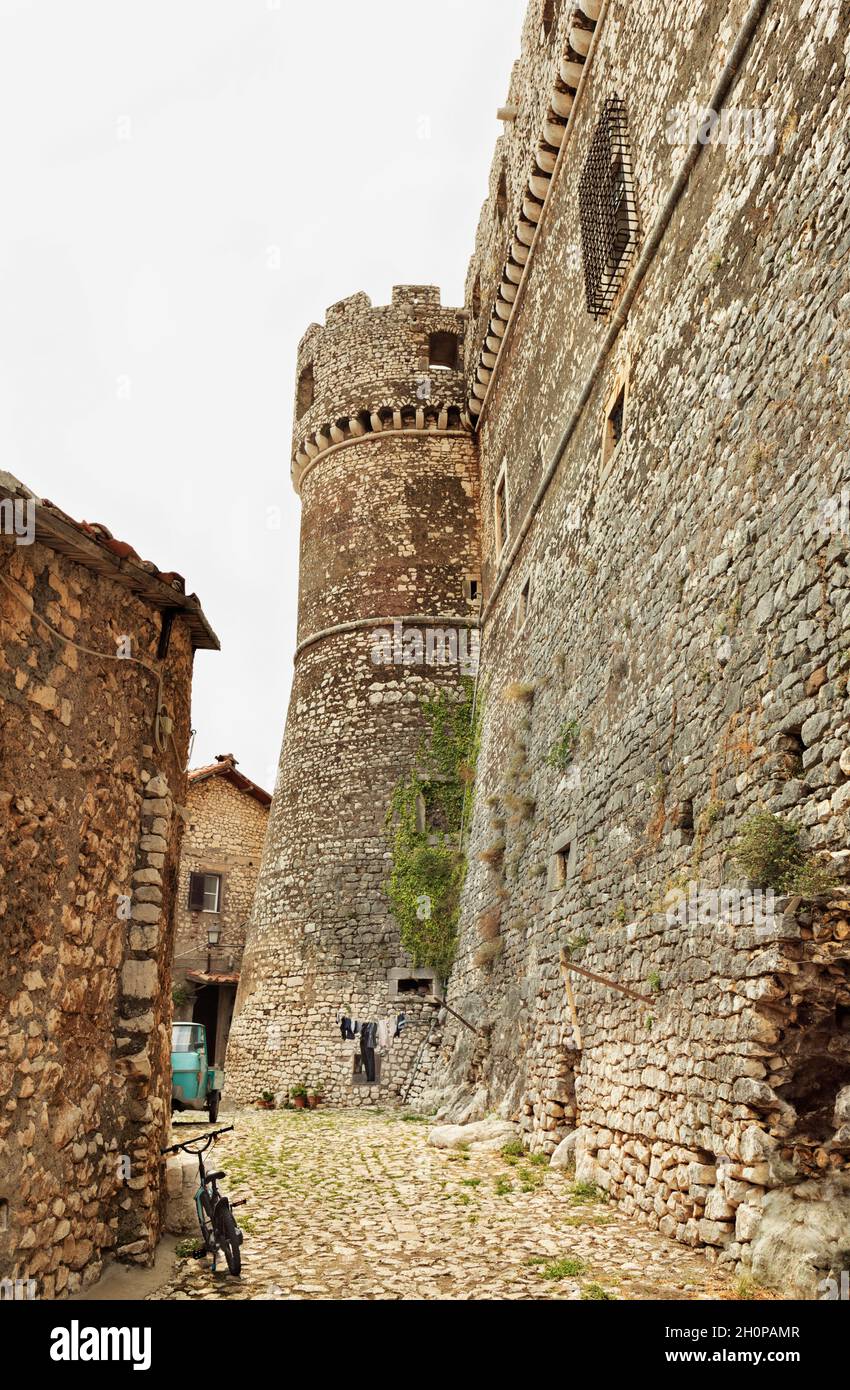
[
  {"x": 313, "y": 1102},
  {"x": 299, "y": 1102}
]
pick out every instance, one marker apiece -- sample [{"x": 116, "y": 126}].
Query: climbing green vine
[{"x": 427, "y": 811}]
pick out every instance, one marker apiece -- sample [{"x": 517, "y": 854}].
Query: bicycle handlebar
[{"x": 204, "y": 1139}]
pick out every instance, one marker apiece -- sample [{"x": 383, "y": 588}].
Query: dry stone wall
[{"x": 89, "y": 836}]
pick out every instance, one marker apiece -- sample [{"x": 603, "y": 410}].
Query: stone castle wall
[
  {"x": 389, "y": 528},
  {"x": 688, "y": 611},
  {"x": 89, "y": 840},
  {"x": 672, "y": 599}
]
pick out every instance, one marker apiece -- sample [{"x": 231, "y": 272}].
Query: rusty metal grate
[{"x": 607, "y": 211}]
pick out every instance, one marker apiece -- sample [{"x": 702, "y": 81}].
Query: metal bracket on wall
[
  {"x": 434, "y": 999},
  {"x": 567, "y": 964}
]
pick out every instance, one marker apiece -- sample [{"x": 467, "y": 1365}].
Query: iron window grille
[{"x": 607, "y": 212}]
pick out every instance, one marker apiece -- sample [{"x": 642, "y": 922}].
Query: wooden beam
[{"x": 571, "y": 1001}]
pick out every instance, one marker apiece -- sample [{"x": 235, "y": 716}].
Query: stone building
[
  {"x": 385, "y": 466},
  {"x": 219, "y": 863},
  {"x": 650, "y": 405},
  {"x": 96, "y": 652}
]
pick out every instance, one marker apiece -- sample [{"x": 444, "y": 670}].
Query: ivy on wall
[{"x": 428, "y": 862}]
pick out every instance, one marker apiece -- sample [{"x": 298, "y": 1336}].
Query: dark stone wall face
[
  {"x": 89, "y": 844},
  {"x": 389, "y": 527},
  {"x": 385, "y": 530},
  {"x": 689, "y": 612}
]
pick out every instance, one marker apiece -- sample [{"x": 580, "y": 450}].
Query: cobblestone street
[{"x": 345, "y": 1204}]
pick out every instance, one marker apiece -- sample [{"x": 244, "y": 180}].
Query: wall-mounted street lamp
[{"x": 213, "y": 933}]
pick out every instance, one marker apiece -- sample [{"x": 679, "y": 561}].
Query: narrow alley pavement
[{"x": 356, "y": 1204}]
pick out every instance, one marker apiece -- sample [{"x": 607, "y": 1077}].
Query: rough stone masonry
[
  {"x": 647, "y": 439},
  {"x": 96, "y": 650}
]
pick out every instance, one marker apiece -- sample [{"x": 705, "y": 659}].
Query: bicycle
[{"x": 219, "y": 1230}]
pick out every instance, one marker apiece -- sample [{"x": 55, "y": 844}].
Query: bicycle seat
[{"x": 214, "y": 1177}]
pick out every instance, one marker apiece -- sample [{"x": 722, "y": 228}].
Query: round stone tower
[{"x": 386, "y": 466}]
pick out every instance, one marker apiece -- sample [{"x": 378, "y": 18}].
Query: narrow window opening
[
  {"x": 471, "y": 588},
  {"x": 614, "y": 424},
  {"x": 421, "y": 986},
  {"x": 791, "y": 749},
  {"x": 4, "y": 1214},
  {"x": 524, "y": 604},
  {"x": 443, "y": 351},
  {"x": 685, "y": 820},
  {"x": 548, "y": 18},
  {"x": 501, "y": 513},
  {"x": 306, "y": 390},
  {"x": 560, "y": 866},
  {"x": 502, "y": 196},
  {"x": 562, "y": 861},
  {"x": 431, "y": 814}
]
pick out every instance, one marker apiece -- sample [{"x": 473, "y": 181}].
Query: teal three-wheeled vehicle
[{"x": 195, "y": 1084}]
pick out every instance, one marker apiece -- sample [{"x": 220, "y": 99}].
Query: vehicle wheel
[
  {"x": 207, "y": 1223},
  {"x": 227, "y": 1238},
  {"x": 212, "y": 1106}
]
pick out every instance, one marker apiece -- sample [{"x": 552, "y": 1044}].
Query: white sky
[{"x": 159, "y": 158}]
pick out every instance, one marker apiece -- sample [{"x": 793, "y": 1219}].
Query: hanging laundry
[
  {"x": 400, "y": 1025},
  {"x": 367, "y": 1049}
]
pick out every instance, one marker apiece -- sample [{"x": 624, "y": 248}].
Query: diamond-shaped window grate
[{"x": 607, "y": 212}]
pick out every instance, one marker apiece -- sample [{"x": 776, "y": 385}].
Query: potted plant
[
  {"x": 315, "y": 1095},
  {"x": 299, "y": 1096},
  {"x": 266, "y": 1101}
]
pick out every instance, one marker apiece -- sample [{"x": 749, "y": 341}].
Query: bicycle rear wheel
[{"x": 227, "y": 1237}]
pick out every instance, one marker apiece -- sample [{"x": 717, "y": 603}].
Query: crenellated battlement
[{"x": 372, "y": 368}]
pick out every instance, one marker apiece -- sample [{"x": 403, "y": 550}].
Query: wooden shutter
[{"x": 196, "y": 892}]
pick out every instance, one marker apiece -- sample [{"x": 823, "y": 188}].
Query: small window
[
  {"x": 615, "y": 418},
  {"x": 501, "y": 511},
  {"x": 562, "y": 861},
  {"x": 431, "y": 813},
  {"x": 415, "y": 985},
  {"x": 471, "y": 588},
  {"x": 502, "y": 196},
  {"x": 205, "y": 892},
  {"x": 683, "y": 821},
  {"x": 442, "y": 351},
  {"x": 524, "y": 605},
  {"x": 548, "y": 19},
  {"x": 306, "y": 390},
  {"x": 411, "y": 982}
]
